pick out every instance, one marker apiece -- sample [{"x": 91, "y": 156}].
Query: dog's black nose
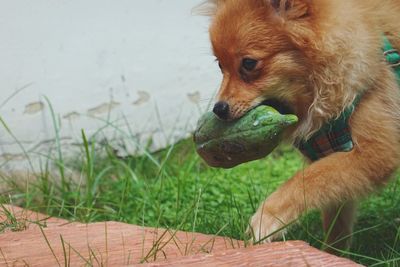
[{"x": 221, "y": 109}]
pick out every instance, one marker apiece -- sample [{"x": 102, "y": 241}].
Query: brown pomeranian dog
[{"x": 322, "y": 60}]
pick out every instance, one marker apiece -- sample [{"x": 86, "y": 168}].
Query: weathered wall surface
[{"x": 130, "y": 69}]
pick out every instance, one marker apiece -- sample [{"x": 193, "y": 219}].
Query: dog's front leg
[{"x": 328, "y": 182}]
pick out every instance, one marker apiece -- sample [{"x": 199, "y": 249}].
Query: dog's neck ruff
[{"x": 335, "y": 136}]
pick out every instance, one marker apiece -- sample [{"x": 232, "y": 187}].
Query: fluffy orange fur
[{"x": 317, "y": 56}]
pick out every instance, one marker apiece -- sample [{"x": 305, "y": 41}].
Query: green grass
[{"x": 174, "y": 189}]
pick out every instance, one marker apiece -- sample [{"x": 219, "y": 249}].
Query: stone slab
[
  {"x": 291, "y": 253},
  {"x": 45, "y": 241}
]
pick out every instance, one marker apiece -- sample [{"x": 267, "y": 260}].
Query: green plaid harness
[{"x": 335, "y": 136}]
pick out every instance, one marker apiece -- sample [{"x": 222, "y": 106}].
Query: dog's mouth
[{"x": 281, "y": 106}]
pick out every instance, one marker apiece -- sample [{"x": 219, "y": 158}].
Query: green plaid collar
[
  {"x": 392, "y": 57},
  {"x": 335, "y": 136}
]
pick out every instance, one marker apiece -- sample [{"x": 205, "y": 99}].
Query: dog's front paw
[{"x": 265, "y": 227}]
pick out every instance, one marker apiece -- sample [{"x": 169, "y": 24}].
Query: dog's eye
[{"x": 249, "y": 64}]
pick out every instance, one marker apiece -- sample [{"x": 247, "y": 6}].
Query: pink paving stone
[
  {"x": 291, "y": 253},
  {"x": 119, "y": 244}
]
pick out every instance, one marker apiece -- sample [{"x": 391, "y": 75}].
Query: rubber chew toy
[{"x": 254, "y": 136}]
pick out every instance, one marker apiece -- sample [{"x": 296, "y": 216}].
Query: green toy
[{"x": 228, "y": 144}]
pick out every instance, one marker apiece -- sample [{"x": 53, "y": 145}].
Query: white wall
[{"x": 99, "y": 61}]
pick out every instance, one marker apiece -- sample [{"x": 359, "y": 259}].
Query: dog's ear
[
  {"x": 207, "y": 8},
  {"x": 291, "y": 9}
]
